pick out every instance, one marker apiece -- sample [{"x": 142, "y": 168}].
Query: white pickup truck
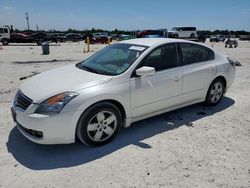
[{"x": 4, "y": 35}]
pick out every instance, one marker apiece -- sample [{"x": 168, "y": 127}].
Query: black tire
[
  {"x": 209, "y": 97},
  {"x": 83, "y": 123},
  {"x": 192, "y": 36},
  {"x": 39, "y": 42},
  {"x": 176, "y": 36},
  {"x": 5, "y": 42}
]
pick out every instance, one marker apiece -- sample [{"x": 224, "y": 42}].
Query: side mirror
[{"x": 145, "y": 71}]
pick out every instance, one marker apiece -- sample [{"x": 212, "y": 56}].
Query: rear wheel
[
  {"x": 215, "y": 92},
  {"x": 99, "y": 124}
]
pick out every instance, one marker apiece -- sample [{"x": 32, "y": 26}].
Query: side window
[
  {"x": 162, "y": 58},
  {"x": 5, "y": 30},
  {"x": 1, "y": 30},
  {"x": 192, "y": 53}
]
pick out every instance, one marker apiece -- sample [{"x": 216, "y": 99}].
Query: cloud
[
  {"x": 8, "y": 8},
  {"x": 141, "y": 18},
  {"x": 247, "y": 11}
]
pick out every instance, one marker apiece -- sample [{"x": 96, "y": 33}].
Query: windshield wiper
[
  {"x": 89, "y": 69},
  {"x": 83, "y": 67}
]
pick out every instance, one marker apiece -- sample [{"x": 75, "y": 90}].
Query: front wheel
[
  {"x": 99, "y": 124},
  {"x": 5, "y": 42},
  {"x": 215, "y": 92}
]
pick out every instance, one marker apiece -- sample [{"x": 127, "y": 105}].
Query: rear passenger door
[{"x": 198, "y": 69}]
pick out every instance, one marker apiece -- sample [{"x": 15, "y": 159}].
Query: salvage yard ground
[{"x": 192, "y": 147}]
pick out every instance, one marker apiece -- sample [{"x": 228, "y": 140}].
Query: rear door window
[{"x": 193, "y": 53}]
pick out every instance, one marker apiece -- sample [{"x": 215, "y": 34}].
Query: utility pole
[
  {"x": 27, "y": 18},
  {"x": 37, "y": 28}
]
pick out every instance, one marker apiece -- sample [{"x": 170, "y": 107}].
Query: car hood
[{"x": 53, "y": 82}]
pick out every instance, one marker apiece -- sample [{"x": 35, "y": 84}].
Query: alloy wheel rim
[
  {"x": 102, "y": 126},
  {"x": 216, "y": 92}
]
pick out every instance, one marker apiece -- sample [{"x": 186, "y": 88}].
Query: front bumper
[{"x": 45, "y": 129}]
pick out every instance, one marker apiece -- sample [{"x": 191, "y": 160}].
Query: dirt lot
[{"x": 192, "y": 147}]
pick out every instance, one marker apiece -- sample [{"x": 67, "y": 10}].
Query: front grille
[{"x": 22, "y": 101}]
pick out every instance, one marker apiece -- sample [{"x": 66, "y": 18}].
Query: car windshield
[{"x": 113, "y": 59}]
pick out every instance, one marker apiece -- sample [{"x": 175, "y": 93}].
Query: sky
[{"x": 126, "y": 14}]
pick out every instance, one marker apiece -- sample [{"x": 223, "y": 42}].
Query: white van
[
  {"x": 4, "y": 35},
  {"x": 183, "y": 32}
]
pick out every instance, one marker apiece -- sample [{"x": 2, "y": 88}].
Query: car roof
[{"x": 152, "y": 41}]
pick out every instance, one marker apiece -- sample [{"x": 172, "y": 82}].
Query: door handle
[{"x": 177, "y": 78}]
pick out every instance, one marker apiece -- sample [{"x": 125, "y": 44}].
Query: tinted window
[
  {"x": 162, "y": 58},
  {"x": 188, "y": 28},
  {"x": 1, "y": 30},
  {"x": 192, "y": 53},
  {"x": 175, "y": 29},
  {"x": 5, "y": 30}
]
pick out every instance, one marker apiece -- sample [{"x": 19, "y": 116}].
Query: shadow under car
[{"x": 45, "y": 157}]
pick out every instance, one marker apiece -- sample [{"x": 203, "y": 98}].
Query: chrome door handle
[{"x": 177, "y": 78}]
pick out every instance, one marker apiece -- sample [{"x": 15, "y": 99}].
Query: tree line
[{"x": 117, "y": 31}]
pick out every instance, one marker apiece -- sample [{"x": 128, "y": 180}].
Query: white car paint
[
  {"x": 4, "y": 35},
  {"x": 141, "y": 97},
  {"x": 182, "y": 33},
  {"x": 43, "y": 90}
]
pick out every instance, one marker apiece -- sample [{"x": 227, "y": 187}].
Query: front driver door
[{"x": 161, "y": 91}]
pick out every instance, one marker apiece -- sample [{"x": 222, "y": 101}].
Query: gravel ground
[{"x": 191, "y": 147}]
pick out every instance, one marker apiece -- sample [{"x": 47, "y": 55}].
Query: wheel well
[
  {"x": 119, "y": 106},
  {"x": 4, "y": 39},
  {"x": 224, "y": 81}
]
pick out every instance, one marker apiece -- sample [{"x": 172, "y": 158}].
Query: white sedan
[{"x": 123, "y": 83}]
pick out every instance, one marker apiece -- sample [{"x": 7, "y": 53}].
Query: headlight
[{"x": 56, "y": 103}]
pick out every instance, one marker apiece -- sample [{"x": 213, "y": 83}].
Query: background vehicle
[
  {"x": 231, "y": 43},
  {"x": 217, "y": 38},
  {"x": 73, "y": 37},
  {"x": 99, "y": 38},
  {"x": 244, "y": 37},
  {"x": 52, "y": 37},
  {"x": 4, "y": 35},
  {"x": 183, "y": 32},
  {"x": 21, "y": 38},
  {"x": 153, "y": 33},
  {"x": 37, "y": 37},
  {"x": 201, "y": 38},
  {"x": 123, "y": 83}
]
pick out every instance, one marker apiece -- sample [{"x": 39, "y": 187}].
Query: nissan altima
[{"x": 123, "y": 83}]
